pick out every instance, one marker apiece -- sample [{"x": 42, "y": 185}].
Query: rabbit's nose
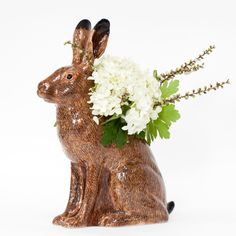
[{"x": 43, "y": 88}]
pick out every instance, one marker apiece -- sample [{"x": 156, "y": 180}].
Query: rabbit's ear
[
  {"x": 81, "y": 35},
  {"x": 100, "y": 37}
]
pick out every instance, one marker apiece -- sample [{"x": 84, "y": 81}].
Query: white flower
[
  {"x": 96, "y": 120},
  {"x": 118, "y": 82}
]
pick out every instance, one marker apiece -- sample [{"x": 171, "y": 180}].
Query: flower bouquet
[{"x": 135, "y": 102}]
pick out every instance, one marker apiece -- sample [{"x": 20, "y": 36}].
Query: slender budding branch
[
  {"x": 73, "y": 45},
  {"x": 187, "y": 67},
  {"x": 193, "y": 93}
]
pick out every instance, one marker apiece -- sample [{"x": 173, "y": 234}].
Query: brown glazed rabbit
[{"x": 109, "y": 186}]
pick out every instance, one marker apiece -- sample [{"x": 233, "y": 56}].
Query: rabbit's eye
[{"x": 69, "y": 76}]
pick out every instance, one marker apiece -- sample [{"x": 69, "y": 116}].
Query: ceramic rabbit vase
[{"x": 109, "y": 186}]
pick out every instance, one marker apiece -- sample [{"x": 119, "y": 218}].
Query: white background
[{"x": 198, "y": 163}]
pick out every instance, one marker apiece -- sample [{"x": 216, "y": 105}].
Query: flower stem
[
  {"x": 187, "y": 67},
  {"x": 193, "y": 93}
]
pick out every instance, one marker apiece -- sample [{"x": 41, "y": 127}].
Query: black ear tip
[
  {"x": 84, "y": 24},
  {"x": 103, "y": 26},
  {"x": 104, "y": 21}
]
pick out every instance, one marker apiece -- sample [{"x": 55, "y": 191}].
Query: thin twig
[
  {"x": 73, "y": 45},
  {"x": 187, "y": 67},
  {"x": 193, "y": 93}
]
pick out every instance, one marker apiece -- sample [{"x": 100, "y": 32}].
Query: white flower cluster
[{"x": 120, "y": 82}]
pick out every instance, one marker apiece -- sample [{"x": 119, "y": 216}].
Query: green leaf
[
  {"x": 113, "y": 134},
  {"x": 55, "y": 124},
  {"x": 163, "y": 129},
  {"x": 121, "y": 138},
  {"x": 109, "y": 133},
  {"x": 140, "y": 135},
  {"x": 169, "y": 114},
  {"x": 162, "y": 124},
  {"x": 151, "y": 132},
  {"x": 169, "y": 88}
]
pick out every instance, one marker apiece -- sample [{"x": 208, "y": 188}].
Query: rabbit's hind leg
[
  {"x": 138, "y": 195},
  {"x": 124, "y": 218},
  {"x": 76, "y": 194}
]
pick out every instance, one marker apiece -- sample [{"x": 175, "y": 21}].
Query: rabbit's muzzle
[{"x": 44, "y": 91}]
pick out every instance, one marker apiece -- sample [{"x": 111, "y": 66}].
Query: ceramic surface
[{"x": 109, "y": 186}]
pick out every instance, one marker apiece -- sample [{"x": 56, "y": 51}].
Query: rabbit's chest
[
  {"x": 78, "y": 138},
  {"x": 75, "y": 127},
  {"x": 69, "y": 120}
]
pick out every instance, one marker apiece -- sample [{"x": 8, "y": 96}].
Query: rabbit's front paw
[
  {"x": 59, "y": 219},
  {"x": 66, "y": 221}
]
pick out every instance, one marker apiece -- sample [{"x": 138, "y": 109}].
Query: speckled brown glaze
[{"x": 109, "y": 186}]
